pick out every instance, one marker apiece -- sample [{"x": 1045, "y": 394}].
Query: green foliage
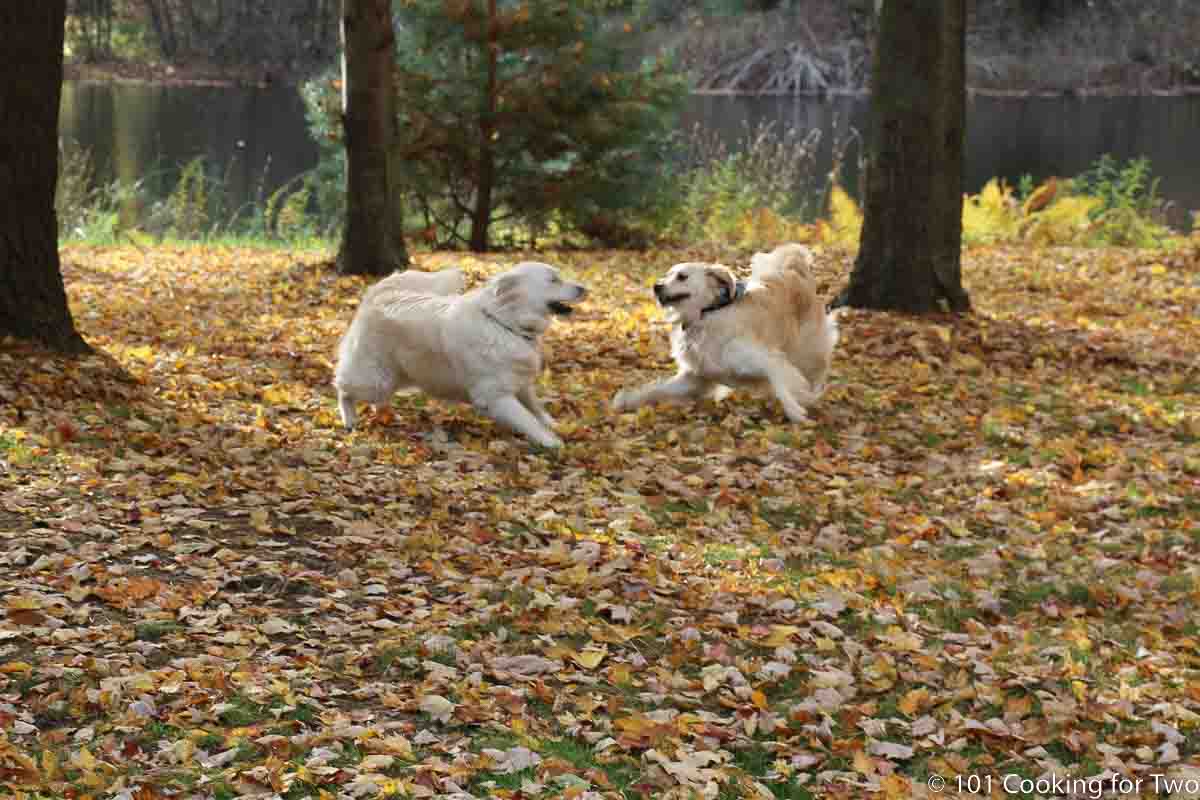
[
  {"x": 521, "y": 118},
  {"x": 198, "y": 207},
  {"x": 1118, "y": 185},
  {"x": 1128, "y": 199},
  {"x": 748, "y": 194},
  {"x": 322, "y": 109},
  {"x": 188, "y": 203},
  {"x": 84, "y": 208}
]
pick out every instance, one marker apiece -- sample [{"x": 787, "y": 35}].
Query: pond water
[{"x": 257, "y": 139}]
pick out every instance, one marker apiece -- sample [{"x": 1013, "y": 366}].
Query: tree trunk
[
  {"x": 164, "y": 27},
  {"x": 33, "y": 302},
  {"x": 481, "y": 214},
  {"x": 909, "y": 256},
  {"x": 372, "y": 243}
]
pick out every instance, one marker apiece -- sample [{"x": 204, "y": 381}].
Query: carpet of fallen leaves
[{"x": 978, "y": 563}]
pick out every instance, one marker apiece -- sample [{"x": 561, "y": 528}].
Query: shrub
[{"x": 748, "y": 194}]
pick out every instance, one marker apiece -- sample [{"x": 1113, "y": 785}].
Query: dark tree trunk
[
  {"x": 164, "y": 27},
  {"x": 909, "y": 256},
  {"x": 33, "y": 302},
  {"x": 372, "y": 243},
  {"x": 481, "y": 214}
]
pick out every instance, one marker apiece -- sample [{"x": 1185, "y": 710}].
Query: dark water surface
[{"x": 257, "y": 138}]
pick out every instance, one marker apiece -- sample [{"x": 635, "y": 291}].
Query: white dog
[
  {"x": 769, "y": 330},
  {"x": 414, "y": 330}
]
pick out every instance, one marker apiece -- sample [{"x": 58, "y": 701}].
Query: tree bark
[
  {"x": 372, "y": 243},
  {"x": 909, "y": 256},
  {"x": 33, "y": 302},
  {"x": 481, "y": 214}
]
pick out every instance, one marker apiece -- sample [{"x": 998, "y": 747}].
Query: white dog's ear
[
  {"x": 507, "y": 287},
  {"x": 724, "y": 283}
]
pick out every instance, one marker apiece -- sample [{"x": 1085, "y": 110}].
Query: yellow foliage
[
  {"x": 991, "y": 215},
  {"x": 763, "y": 227},
  {"x": 845, "y": 220},
  {"x": 1066, "y": 221}
]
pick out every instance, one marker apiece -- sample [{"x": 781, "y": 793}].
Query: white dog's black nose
[{"x": 659, "y": 288}]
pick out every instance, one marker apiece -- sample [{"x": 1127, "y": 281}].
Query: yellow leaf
[
  {"x": 85, "y": 760},
  {"x": 16, "y": 666},
  {"x": 619, "y": 673},
  {"x": 863, "y": 763},
  {"x": 914, "y": 701},
  {"x": 759, "y": 699},
  {"x": 589, "y": 658},
  {"x": 896, "y": 787},
  {"x": 781, "y": 635},
  {"x": 143, "y": 353},
  {"x": 50, "y": 768}
]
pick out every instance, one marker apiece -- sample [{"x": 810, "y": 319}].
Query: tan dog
[{"x": 772, "y": 330}]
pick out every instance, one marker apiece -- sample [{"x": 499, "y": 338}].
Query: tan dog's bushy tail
[{"x": 788, "y": 269}]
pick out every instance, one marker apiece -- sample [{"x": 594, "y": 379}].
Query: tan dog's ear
[{"x": 724, "y": 283}]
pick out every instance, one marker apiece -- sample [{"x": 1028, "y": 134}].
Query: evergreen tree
[{"x": 526, "y": 112}]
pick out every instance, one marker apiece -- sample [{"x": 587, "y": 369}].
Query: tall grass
[
  {"x": 200, "y": 206},
  {"x": 761, "y": 188}
]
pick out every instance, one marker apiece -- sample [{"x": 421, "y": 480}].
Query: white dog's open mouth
[{"x": 559, "y": 308}]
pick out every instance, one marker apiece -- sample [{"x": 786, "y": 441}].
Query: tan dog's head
[
  {"x": 689, "y": 288},
  {"x": 529, "y": 293}
]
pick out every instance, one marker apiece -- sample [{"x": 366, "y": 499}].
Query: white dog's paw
[
  {"x": 550, "y": 442},
  {"x": 622, "y": 401},
  {"x": 796, "y": 414},
  {"x": 347, "y": 412}
]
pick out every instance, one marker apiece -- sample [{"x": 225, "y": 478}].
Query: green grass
[{"x": 154, "y": 631}]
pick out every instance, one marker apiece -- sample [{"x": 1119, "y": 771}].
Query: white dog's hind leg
[
  {"x": 684, "y": 386},
  {"x": 512, "y": 414},
  {"x": 530, "y": 400}
]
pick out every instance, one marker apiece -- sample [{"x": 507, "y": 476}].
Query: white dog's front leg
[
  {"x": 347, "y": 410},
  {"x": 684, "y": 386},
  {"x": 512, "y": 413},
  {"x": 530, "y": 400}
]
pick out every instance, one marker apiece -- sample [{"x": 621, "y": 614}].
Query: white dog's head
[
  {"x": 528, "y": 294},
  {"x": 691, "y": 288}
]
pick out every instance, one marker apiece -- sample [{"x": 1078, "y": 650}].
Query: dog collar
[
  {"x": 726, "y": 298},
  {"x": 515, "y": 332}
]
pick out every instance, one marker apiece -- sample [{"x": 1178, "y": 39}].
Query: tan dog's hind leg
[
  {"x": 792, "y": 389},
  {"x": 684, "y": 386}
]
